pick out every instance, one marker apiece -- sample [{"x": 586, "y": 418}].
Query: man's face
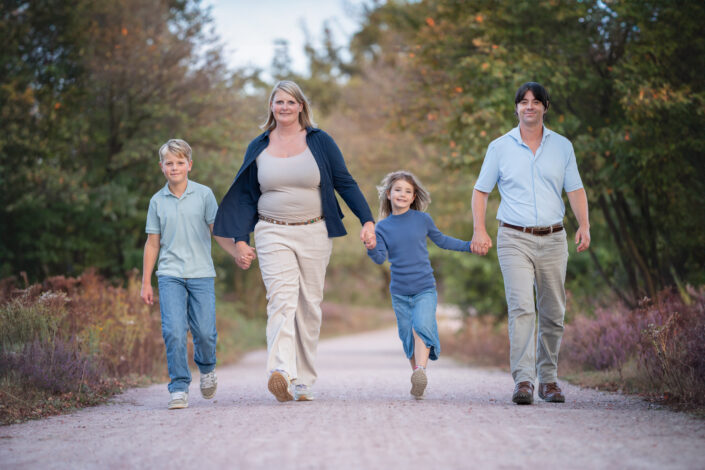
[{"x": 530, "y": 110}]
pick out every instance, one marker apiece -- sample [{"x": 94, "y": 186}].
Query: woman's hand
[
  {"x": 244, "y": 255},
  {"x": 367, "y": 235}
]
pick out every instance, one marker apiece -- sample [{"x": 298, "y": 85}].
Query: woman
[{"x": 284, "y": 191}]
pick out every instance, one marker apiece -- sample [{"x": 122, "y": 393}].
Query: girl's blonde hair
[
  {"x": 305, "y": 116},
  {"x": 421, "y": 200}
]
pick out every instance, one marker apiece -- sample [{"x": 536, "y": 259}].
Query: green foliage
[
  {"x": 89, "y": 91},
  {"x": 626, "y": 80}
]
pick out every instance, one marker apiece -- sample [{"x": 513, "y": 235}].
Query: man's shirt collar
[{"x": 516, "y": 134}]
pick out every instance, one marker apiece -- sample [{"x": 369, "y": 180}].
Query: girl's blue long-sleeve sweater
[{"x": 402, "y": 239}]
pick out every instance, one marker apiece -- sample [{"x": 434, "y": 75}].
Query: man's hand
[
  {"x": 147, "y": 294},
  {"x": 367, "y": 235},
  {"x": 582, "y": 238},
  {"x": 481, "y": 242},
  {"x": 244, "y": 255}
]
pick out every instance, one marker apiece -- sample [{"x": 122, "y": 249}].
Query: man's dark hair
[{"x": 539, "y": 92}]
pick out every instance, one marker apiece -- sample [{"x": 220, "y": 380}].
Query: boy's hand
[
  {"x": 244, "y": 255},
  {"x": 147, "y": 294}
]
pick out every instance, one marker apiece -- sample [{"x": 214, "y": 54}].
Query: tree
[
  {"x": 91, "y": 90},
  {"x": 615, "y": 69}
]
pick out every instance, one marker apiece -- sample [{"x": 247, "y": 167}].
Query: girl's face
[{"x": 401, "y": 196}]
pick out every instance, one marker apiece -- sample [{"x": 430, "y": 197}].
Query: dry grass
[
  {"x": 481, "y": 341},
  {"x": 340, "y": 319},
  {"x": 75, "y": 342}
]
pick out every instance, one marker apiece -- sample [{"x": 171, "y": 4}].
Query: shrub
[
  {"x": 31, "y": 317},
  {"x": 665, "y": 338},
  {"x": 57, "y": 366},
  {"x": 672, "y": 347},
  {"x": 606, "y": 341}
]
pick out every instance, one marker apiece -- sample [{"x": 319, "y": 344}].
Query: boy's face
[{"x": 175, "y": 168}]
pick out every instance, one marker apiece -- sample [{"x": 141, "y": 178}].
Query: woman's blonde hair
[
  {"x": 305, "y": 116},
  {"x": 421, "y": 200}
]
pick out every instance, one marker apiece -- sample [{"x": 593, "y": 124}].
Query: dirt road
[{"x": 363, "y": 418}]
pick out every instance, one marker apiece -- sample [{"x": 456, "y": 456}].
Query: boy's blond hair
[
  {"x": 177, "y": 147},
  {"x": 421, "y": 200}
]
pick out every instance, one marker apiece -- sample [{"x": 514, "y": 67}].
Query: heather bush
[
  {"x": 57, "y": 366},
  {"x": 105, "y": 321},
  {"x": 672, "y": 346},
  {"x": 73, "y": 337},
  {"x": 72, "y": 342},
  {"x": 606, "y": 341},
  {"x": 663, "y": 340}
]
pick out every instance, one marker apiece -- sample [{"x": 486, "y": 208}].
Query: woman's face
[{"x": 285, "y": 108}]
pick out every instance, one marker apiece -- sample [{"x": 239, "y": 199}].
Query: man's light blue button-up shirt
[
  {"x": 184, "y": 233},
  {"x": 530, "y": 185}
]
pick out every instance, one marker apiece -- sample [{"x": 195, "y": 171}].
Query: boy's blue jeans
[
  {"x": 417, "y": 313},
  {"x": 187, "y": 304}
]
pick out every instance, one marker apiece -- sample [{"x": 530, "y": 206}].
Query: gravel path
[{"x": 363, "y": 418}]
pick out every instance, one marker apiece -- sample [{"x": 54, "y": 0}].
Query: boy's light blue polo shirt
[
  {"x": 183, "y": 226},
  {"x": 530, "y": 185}
]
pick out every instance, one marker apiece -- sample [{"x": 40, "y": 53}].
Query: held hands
[
  {"x": 244, "y": 255},
  {"x": 367, "y": 235},
  {"x": 481, "y": 242},
  {"x": 582, "y": 238}
]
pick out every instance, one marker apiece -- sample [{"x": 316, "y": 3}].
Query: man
[{"x": 531, "y": 166}]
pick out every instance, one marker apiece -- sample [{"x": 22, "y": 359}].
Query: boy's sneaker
[
  {"x": 209, "y": 382},
  {"x": 418, "y": 383},
  {"x": 303, "y": 393},
  {"x": 178, "y": 400},
  {"x": 279, "y": 385}
]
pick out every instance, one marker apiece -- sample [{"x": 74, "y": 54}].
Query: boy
[{"x": 179, "y": 225}]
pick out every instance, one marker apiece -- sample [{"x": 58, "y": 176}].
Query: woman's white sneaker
[{"x": 303, "y": 393}]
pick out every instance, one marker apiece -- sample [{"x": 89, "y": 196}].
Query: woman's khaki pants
[{"x": 293, "y": 261}]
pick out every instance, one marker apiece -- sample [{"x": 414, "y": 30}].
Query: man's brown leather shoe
[
  {"x": 551, "y": 392},
  {"x": 523, "y": 393}
]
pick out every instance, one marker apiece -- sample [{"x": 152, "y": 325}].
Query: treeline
[
  {"x": 90, "y": 89},
  {"x": 628, "y": 89}
]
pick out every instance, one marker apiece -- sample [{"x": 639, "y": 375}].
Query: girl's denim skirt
[{"x": 417, "y": 313}]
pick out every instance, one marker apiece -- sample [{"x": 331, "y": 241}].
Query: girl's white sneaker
[{"x": 418, "y": 383}]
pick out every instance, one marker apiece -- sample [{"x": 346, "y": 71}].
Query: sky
[{"x": 248, "y": 28}]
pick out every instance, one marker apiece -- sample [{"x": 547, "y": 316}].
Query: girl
[{"x": 401, "y": 237}]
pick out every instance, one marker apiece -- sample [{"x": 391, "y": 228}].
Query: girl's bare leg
[{"x": 421, "y": 352}]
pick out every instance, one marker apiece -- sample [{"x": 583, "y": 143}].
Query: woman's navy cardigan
[{"x": 237, "y": 213}]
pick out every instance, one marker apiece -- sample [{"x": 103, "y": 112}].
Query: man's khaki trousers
[{"x": 529, "y": 264}]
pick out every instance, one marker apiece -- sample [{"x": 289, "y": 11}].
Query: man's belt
[{"x": 534, "y": 230}]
